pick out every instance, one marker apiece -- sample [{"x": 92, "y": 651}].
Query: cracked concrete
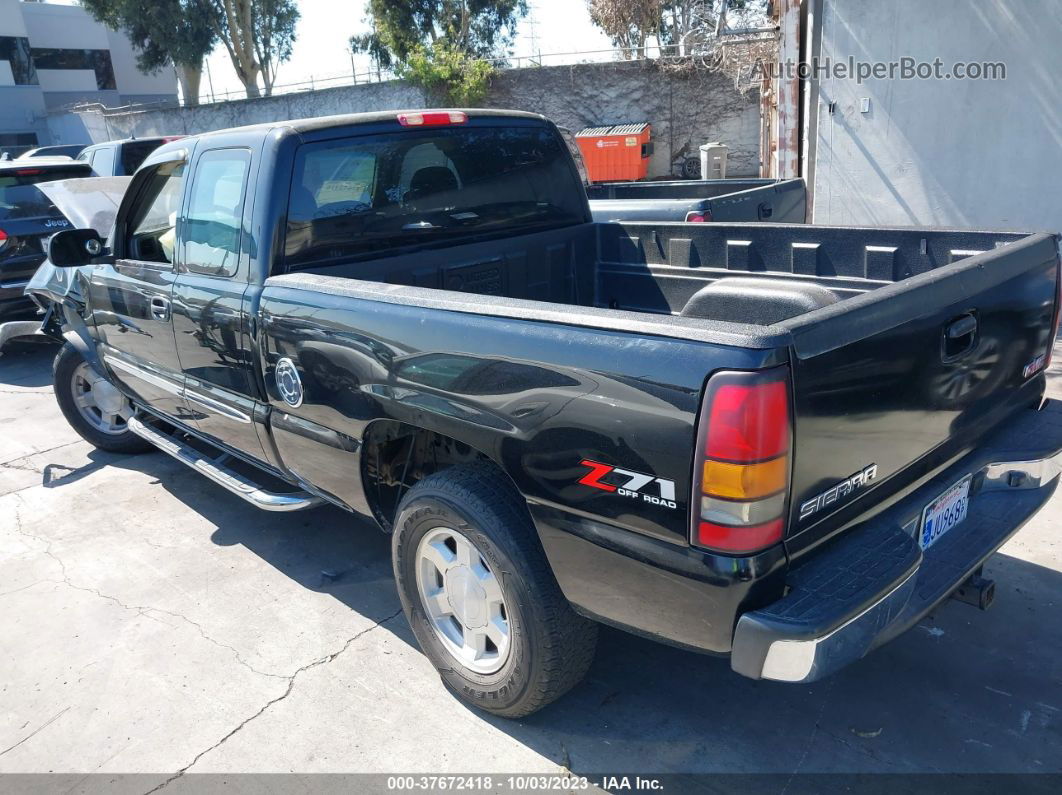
[{"x": 151, "y": 623}]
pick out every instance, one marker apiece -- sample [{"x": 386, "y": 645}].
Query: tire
[
  {"x": 550, "y": 647},
  {"x": 68, "y": 372}
]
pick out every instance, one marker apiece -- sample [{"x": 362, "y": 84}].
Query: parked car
[
  {"x": 27, "y": 219},
  {"x": 121, "y": 158},
  {"x": 729, "y": 200},
  {"x": 61, "y": 150},
  {"x": 781, "y": 443}
]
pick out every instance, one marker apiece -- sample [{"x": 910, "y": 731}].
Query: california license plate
[{"x": 946, "y": 511}]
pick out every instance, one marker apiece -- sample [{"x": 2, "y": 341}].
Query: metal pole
[{"x": 210, "y": 80}]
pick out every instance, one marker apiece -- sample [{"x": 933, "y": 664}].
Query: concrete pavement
[{"x": 151, "y": 622}]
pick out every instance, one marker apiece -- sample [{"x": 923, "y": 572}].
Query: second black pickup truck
[
  {"x": 780, "y": 443},
  {"x": 701, "y": 200}
]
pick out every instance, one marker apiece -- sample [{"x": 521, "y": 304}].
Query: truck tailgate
[{"x": 892, "y": 385}]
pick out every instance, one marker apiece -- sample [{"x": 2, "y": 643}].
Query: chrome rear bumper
[{"x": 875, "y": 582}]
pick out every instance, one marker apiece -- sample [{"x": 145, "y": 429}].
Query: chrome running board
[{"x": 216, "y": 471}]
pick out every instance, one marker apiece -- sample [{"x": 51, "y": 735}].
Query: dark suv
[{"x": 27, "y": 219}]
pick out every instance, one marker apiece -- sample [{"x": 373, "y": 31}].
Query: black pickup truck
[
  {"x": 781, "y": 443},
  {"x": 701, "y": 200}
]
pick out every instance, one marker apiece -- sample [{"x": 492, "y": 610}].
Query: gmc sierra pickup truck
[
  {"x": 780, "y": 443},
  {"x": 698, "y": 201}
]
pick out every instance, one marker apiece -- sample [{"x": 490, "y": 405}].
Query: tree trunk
[
  {"x": 189, "y": 77},
  {"x": 250, "y": 85}
]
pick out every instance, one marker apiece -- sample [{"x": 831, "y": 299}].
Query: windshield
[
  {"x": 19, "y": 196},
  {"x": 369, "y": 195}
]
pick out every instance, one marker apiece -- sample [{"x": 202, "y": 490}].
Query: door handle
[{"x": 160, "y": 308}]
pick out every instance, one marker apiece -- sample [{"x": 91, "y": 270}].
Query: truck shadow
[
  {"x": 27, "y": 364},
  {"x": 964, "y": 691}
]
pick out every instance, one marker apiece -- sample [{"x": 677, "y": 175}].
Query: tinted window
[
  {"x": 16, "y": 51},
  {"x": 211, "y": 231},
  {"x": 103, "y": 161},
  {"x": 18, "y": 197},
  {"x": 369, "y": 196},
  {"x": 99, "y": 61},
  {"x": 134, "y": 153},
  {"x": 152, "y": 236}
]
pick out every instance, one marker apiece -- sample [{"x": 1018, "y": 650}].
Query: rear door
[
  {"x": 211, "y": 302},
  {"x": 131, "y": 299}
]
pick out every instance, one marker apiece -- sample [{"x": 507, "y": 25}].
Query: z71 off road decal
[{"x": 626, "y": 483}]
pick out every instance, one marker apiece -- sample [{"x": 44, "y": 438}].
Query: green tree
[
  {"x": 164, "y": 33},
  {"x": 258, "y": 35},
  {"x": 441, "y": 45},
  {"x": 477, "y": 28},
  {"x": 453, "y": 76}
]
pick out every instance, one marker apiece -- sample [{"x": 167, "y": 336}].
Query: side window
[
  {"x": 211, "y": 229},
  {"x": 151, "y": 229},
  {"x": 84, "y": 156},
  {"x": 103, "y": 161}
]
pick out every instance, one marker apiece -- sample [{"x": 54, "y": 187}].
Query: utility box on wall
[{"x": 617, "y": 153}]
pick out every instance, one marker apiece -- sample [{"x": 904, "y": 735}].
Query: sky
[{"x": 321, "y": 50}]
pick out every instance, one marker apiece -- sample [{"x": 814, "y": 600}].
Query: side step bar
[{"x": 216, "y": 471}]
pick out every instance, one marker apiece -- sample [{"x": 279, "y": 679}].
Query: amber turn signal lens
[{"x": 744, "y": 481}]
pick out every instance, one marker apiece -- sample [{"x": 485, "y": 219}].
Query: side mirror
[{"x": 73, "y": 247}]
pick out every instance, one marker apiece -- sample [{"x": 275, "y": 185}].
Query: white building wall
[
  {"x": 11, "y": 23},
  {"x": 129, "y": 80},
  {"x": 953, "y": 153},
  {"x": 65, "y": 27}
]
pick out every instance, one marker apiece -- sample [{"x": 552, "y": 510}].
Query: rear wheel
[
  {"x": 93, "y": 405},
  {"x": 480, "y": 596}
]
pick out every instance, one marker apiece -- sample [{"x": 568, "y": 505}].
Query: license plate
[{"x": 944, "y": 513}]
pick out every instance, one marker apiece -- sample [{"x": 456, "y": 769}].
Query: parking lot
[{"x": 151, "y": 622}]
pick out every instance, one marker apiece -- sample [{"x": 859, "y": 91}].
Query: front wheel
[
  {"x": 93, "y": 405},
  {"x": 480, "y": 596}
]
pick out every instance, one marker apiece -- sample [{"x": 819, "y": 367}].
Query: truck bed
[
  {"x": 863, "y": 317},
  {"x": 723, "y": 200}
]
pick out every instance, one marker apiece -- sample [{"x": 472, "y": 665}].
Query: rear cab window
[
  {"x": 20, "y": 199},
  {"x": 373, "y": 195}
]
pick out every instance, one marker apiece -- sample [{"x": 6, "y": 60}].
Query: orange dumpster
[{"x": 616, "y": 153}]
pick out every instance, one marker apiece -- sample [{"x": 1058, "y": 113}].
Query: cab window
[
  {"x": 152, "y": 227},
  {"x": 211, "y": 230}
]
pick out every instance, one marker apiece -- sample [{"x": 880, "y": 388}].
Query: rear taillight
[
  {"x": 696, "y": 217},
  {"x": 3, "y": 238},
  {"x": 432, "y": 119},
  {"x": 1058, "y": 317},
  {"x": 741, "y": 470}
]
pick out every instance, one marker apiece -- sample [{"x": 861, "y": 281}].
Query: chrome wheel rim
[
  {"x": 463, "y": 600},
  {"x": 99, "y": 402}
]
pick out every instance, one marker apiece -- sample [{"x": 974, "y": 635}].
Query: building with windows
[{"x": 53, "y": 56}]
